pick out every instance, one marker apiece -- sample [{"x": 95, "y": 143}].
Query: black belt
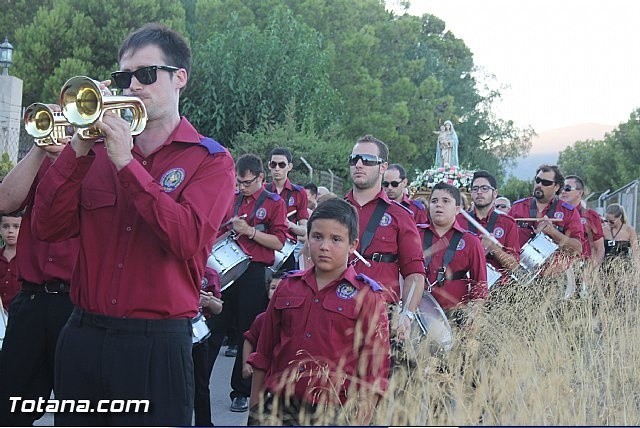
[
  {"x": 381, "y": 257},
  {"x": 53, "y": 286},
  {"x": 133, "y": 325}
]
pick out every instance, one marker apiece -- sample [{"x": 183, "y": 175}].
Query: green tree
[
  {"x": 76, "y": 37},
  {"x": 516, "y": 188},
  {"x": 244, "y": 79},
  {"x": 327, "y": 152},
  {"x": 5, "y": 165}
]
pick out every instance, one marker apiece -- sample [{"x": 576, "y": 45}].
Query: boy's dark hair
[
  {"x": 271, "y": 275},
  {"x": 383, "y": 149},
  {"x": 281, "y": 151},
  {"x": 401, "y": 171},
  {"x": 249, "y": 163},
  {"x": 19, "y": 213},
  {"x": 313, "y": 188},
  {"x": 174, "y": 47},
  {"x": 485, "y": 174},
  {"x": 341, "y": 211},
  {"x": 452, "y": 190}
]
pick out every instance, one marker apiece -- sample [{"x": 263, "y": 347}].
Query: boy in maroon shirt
[
  {"x": 325, "y": 337},
  {"x": 9, "y": 287}
]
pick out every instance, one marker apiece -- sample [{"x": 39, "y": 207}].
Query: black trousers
[
  {"x": 28, "y": 354},
  {"x": 243, "y": 301},
  {"x": 106, "y": 358},
  {"x": 202, "y": 367}
]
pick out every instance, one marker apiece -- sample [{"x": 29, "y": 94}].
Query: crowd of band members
[{"x": 104, "y": 280}]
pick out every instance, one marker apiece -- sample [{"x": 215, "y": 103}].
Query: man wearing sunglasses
[
  {"x": 503, "y": 204},
  {"x": 504, "y": 255},
  {"x": 566, "y": 228},
  {"x": 294, "y": 196},
  {"x": 593, "y": 241},
  {"x": 394, "y": 183},
  {"x": 146, "y": 210},
  {"x": 258, "y": 218},
  {"x": 393, "y": 245}
]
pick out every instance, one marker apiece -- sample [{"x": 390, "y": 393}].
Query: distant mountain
[{"x": 547, "y": 145}]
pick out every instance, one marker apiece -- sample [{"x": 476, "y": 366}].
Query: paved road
[{"x": 220, "y": 400}]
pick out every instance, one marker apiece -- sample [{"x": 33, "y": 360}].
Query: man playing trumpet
[{"x": 146, "y": 210}]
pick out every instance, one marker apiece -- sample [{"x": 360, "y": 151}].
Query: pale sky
[{"x": 568, "y": 62}]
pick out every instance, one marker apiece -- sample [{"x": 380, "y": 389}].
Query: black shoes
[
  {"x": 240, "y": 404},
  {"x": 231, "y": 351}
]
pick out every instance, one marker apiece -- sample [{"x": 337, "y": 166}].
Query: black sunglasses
[
  {"x": 501, "y": 206},
  {"x": 568, "y": 188},
  {"x": 145, "y": 75},
  {"x": 246, "y": 183},
  {"x": 274, "y": 164},
  {"x": 367, "y": 160},
  {"x": 545, "y": 183},
  {"x": 392, "y": 183}
]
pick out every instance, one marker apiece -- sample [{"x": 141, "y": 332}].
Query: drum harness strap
[
  {"x": 491, "y": 224},
  {"x": 259, "y": 202},
  {"x": 369, "y": 233},
  {"x": 533, "y": 213},
  {"x": 448, "y": 257}
]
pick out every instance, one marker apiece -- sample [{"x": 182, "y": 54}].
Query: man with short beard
[
  {"x": 545, "y": 205},
  {"x": 394, "y": 247},
  {"x": 504, "y": 254}
]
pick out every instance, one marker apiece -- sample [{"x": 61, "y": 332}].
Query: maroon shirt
[
  {"x": 210, "y": 284},
  {"x": 592, "y": 224},
  {"x": 145, "y": 231},
  {"x": 468, "y": 257},
  {"x": 9, "y": 286},
  {"x": 270, "y": 217},
  {"x": 396, "y": 234},
  {"x": 505, "y": 230},
  {"x": 417, "y": 208},
  {"x": 340, "y": 332},
  {"x": 253, "y": 334},
  {"x": 43, "y": 261},
  {"x": 569, "y": 216},
  {"x": 295, "y": 198}
]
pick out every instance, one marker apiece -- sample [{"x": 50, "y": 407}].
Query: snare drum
[
  {"x": 201, "y": 331},
  {"x": 228, "y": 259},
  {"x": 432, "y": 325},
  {"x": 283, "y": 255},
  {"x": 493, "y": 275},
  {"x": 536, "y": 252}
]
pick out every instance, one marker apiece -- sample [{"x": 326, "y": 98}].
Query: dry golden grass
[{"x": 533, "y": 359}]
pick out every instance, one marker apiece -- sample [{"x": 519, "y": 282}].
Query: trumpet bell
[
  {"x": 45, "y": 125},
  {"x": 83, "y": 104}
]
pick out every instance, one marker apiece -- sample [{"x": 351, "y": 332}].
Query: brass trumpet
[
  {"x": 83, "y": 104},
  {"x": 45, "y": 125}
]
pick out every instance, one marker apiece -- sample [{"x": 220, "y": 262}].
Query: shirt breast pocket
[
  {"x": 93, "y": 199},
  {"x": 291, "y": 310},
  {"x": 385, "y": 239},
  {"x": 342, "y": 316}
]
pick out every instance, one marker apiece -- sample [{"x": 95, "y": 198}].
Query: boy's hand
[{"x": 247, "y": 371}]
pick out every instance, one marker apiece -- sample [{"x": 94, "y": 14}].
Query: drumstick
[
  {"x": 479, "y": 227},
  {"x": 403, "y": 314},
  {"x": 292, "y": 213},
  {"x": 538, "y": 219},
  {"x": 365, "y": 261},
  {"x": 231, "y": 220}
]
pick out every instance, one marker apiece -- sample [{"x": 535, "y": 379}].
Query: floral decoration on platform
[{"x": 425, "y": 180}]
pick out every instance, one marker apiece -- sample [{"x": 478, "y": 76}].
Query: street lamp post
[{"x": 6, "y": 56}]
